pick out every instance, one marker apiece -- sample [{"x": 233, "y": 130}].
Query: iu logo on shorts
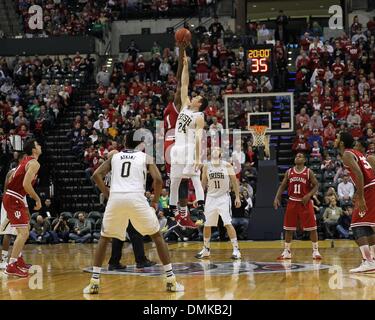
[{"x": 17, "y": 214}]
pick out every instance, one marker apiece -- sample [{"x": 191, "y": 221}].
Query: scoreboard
[{"x": 260, "y": 59}]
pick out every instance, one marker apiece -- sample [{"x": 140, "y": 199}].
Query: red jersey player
[
  {"x": 363, "y": 217},
  {"x": 170, "y": 118},
  {"x": 21, "y": 184},
  {"x": 5, "y": 229},
  {"x": 302, "y": 185}
]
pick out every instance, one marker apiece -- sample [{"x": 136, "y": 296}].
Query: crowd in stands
[
  {"x": 65, "y": 17},
  {"x": 29, "y": 103},
  {"x": 335, "y": 88},
  {"x": 32, "y": 94},
  {"x": 81, "y": 17},
  {"x": 34, "y": 91}
]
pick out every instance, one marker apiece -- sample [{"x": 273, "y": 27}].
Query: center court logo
[{"x": 219, "y": 268}]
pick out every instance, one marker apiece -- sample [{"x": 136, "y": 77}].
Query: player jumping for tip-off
[{"x": 187, "y": 151}]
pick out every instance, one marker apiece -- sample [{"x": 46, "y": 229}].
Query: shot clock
[{"x": 260, "y": 59}]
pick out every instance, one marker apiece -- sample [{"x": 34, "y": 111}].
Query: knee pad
[
  {"x": 360, "y": 232},
  {"x": 183, "y": 191}
]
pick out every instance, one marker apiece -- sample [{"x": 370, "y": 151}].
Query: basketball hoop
[{"x": 259, "y": 135}]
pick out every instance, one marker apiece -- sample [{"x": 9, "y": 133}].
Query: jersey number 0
[{"x": 125, "y": 170}]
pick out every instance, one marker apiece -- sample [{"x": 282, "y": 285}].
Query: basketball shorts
[
  {"x": 366, "y": 218},
  {"x": 182, "y": 162},
  {"x": 121, "y": 208},
  {"x": 298, "y": 214},
  {"x": 5, "y": 227},
  {"x": 215, "y": 207},
  {"x": 17, "y": 210}
]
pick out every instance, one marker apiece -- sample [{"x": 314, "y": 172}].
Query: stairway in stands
[
  {"x": 283, "y": 143},
  {"x": 72, "y": 191}
]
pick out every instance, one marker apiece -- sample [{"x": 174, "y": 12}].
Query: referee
[{"x": 138, "y": 248}]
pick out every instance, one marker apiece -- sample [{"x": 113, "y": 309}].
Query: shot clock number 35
[{"x": 260, "y": 59}]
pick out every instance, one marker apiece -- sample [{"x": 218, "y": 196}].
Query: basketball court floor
[{"x": 257, "y": 276}]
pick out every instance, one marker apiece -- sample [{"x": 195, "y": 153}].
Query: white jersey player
[
  {"x": 187, "y": 150},
  {"x": 217, "y": 176},
  {"x": 127, "y": 201}
]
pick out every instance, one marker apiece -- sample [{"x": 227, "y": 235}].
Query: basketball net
[
  {"x": 259, "y": 135},
  {"x": 260, "y": 139}
]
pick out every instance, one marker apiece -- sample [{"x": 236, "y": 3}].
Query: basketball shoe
[
  {"x": 365, "y": 266},
  {"x": 22, "y": 264},
  {"x": 204, "y": 253},
  {"x": 13, "y": 269},
  {"x": 93, "y": 287},
  {"x": 236, "y": 255},
  {"x": 285, "y": 255},
  {"x": 316, "y": 255},
  {"x": 172, "y": 284},
  {"x": 183, "y": 220}
]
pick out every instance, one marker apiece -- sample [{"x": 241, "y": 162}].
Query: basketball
[{"x": 183, "y": 35}]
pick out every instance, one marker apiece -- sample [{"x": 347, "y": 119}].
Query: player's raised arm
[
  {"x": 350, "y": 162},
  {"x": 280, "y": 190},
  {"x": 157, "y": 183},
  {"x": 100, "y": 173},
  {"x": 314, "y": 189},
  {"x": 177, "y": 96},
  {"x": 199, "y": 125},
  {"x": 185, "y": 83},
  {"x": 32, "y": 169},
  {"x": 234, "y": 181}
]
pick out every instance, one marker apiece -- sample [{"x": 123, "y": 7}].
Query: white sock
[
  {"x": 287, "y": 246},
  {"x": 365, "y": 250},
  {"x": 20, "y": 255},
  {"x": 12, "y": 260},
  {"x": 4, "y": 255},
  {"x": 315, "y": 246},
  {"x": 206, "y": 242},
  {"x": 372, "y": 250},
  {"x": 96, "y": 272},
  {"x": 234, "y": 243},
  {"x": 168, "y": 270}
]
